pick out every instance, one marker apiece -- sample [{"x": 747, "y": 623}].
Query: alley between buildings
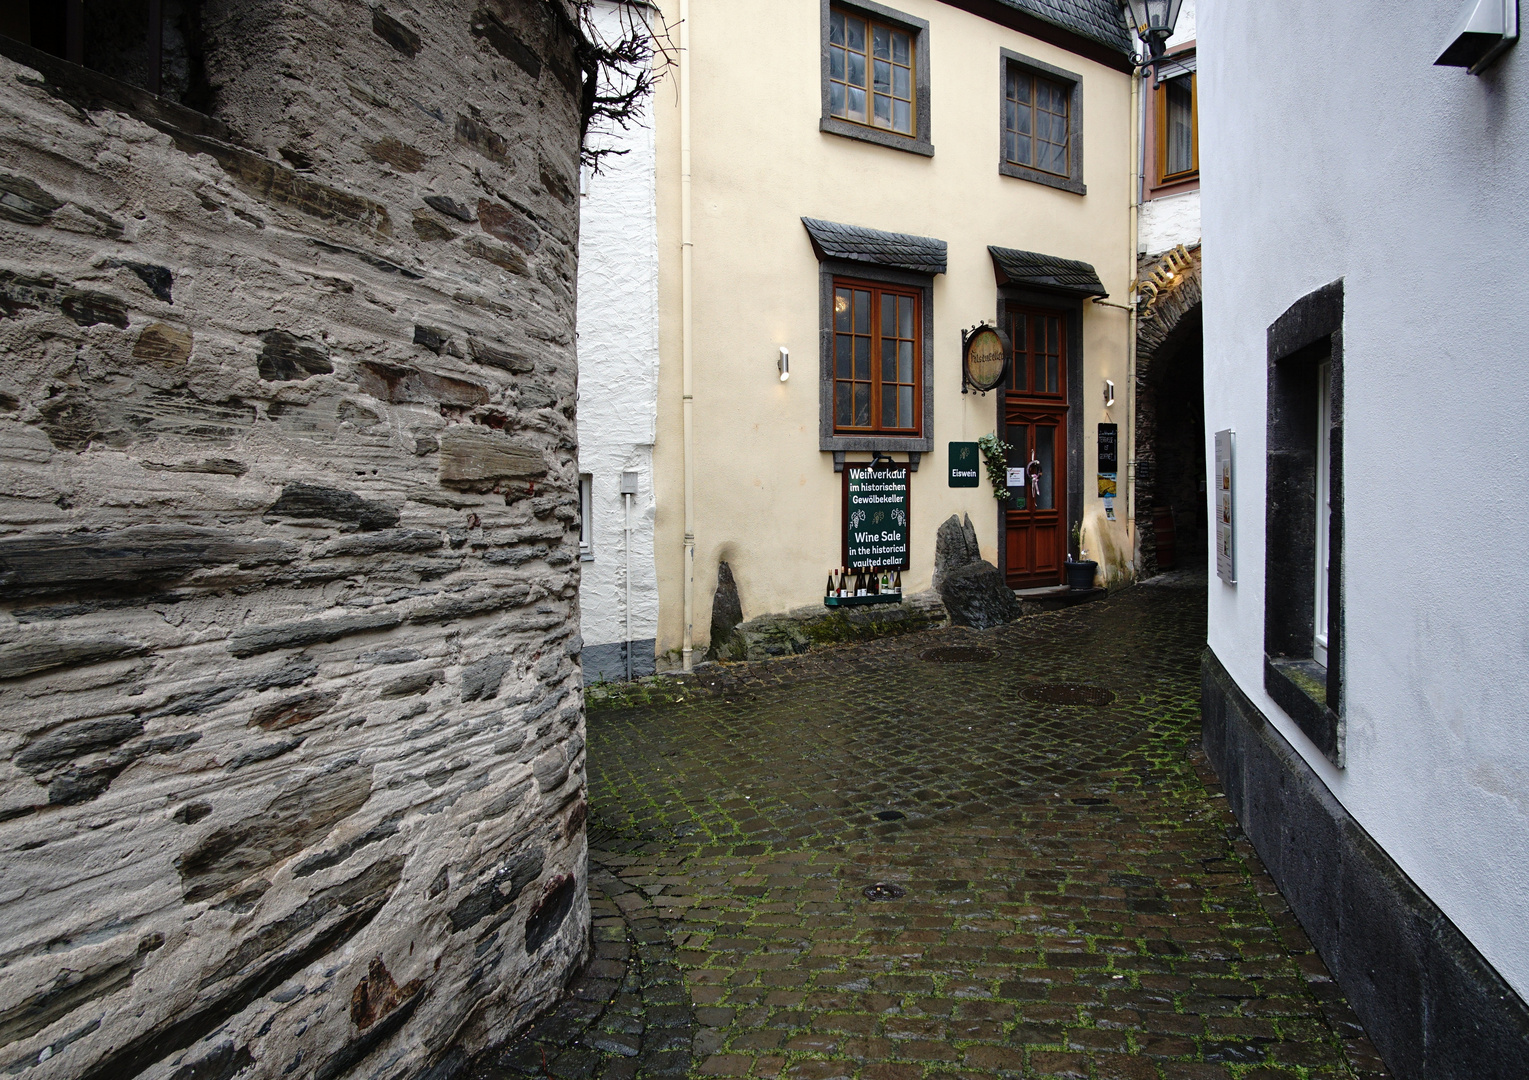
[{"x": 954, "y": 853}]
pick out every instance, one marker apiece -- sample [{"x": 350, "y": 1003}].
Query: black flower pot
[{"x": 1080, "y": 575}]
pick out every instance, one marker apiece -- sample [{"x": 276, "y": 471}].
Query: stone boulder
[
  {"x": 976, "y": 595},
  {"x": 954, "y": 545},
  {"x": 726, "y": 614}
]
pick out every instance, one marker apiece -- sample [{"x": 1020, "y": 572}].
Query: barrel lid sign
[{"x": 876, "y": 515}]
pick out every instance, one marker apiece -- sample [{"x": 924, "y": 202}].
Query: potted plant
[{"x": 1080, "y": 570}]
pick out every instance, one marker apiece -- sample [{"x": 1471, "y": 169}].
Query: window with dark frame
[
  {"x": 1178, "y": 144},
  {"x": 1038, "y": 364},
  {"x": 871, "y": 72},
  {"x": 1036, "y": 121},
  {"x": 877, "y": 361}
]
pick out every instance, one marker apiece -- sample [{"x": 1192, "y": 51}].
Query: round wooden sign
[{"x": 987, "y": 358}]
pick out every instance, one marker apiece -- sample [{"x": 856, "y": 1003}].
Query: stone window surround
[
  {"x": 1073, "y": 181},
  {"x": 919, "y": 142},
  {"x": 828, "y": 269},
  {"x": 1309, "y": 333}
]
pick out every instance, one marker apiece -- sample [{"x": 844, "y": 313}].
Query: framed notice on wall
[
  {"x": 876, "y": 515},
  {"x": 1224, "y": 504}
]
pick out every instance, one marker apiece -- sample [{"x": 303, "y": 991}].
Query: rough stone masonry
[{"x": 290, "y": 706}]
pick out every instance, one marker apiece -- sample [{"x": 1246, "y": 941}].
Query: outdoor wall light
[
  {"x": 784, "y": 363},
  {"x": 1109, "y": 392},
  {"x": 1154, "y": 21},
  {"x": 1484, "y": 31}
]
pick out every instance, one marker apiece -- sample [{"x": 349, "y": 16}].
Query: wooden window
[
  {"x": 1178, "y": 143},
  {"x": 1036, "y": 121},
  {"x": 870, "y": 72},
  {"x": 1039, "y": 364},
  {"x": 877, "y": 363}
]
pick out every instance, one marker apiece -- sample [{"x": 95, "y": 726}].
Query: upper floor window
[
  {"x": 1178, "y": 144},
  {"x": 875, "y": 75},
  {"x": 1041, "y": 127},
  {"x": 877, "y": 358},
  {"x": 870, "y": 72},
  {"x": 1035, "y": 122},
  {"x": 1039, "y": 361}
]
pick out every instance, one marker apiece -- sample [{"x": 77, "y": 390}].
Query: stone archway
[{"x": 1170, "y": 417}]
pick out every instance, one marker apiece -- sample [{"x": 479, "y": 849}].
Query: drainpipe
[
  {"x": 1138, "y": 166},
  {"x": 686, "y": 335},
  {"x": 626, "y": 573}
]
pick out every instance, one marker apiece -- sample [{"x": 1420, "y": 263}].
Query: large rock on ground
[
  {"x": 976, "y": 595},
  {"x": 954, "y": 545},
  {"x": 726, "y": 612}
]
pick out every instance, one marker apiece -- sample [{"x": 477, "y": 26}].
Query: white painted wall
[
  {"x": 1169, "y": 221},
  {"x": 1332, "y": 147},
  {"x": 618, "y": 377}
]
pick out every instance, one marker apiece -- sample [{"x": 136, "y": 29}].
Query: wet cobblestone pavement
[{"x": 1065, "y": 892}]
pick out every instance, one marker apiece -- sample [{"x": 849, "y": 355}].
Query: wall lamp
[
  {"x": 1153, "y": 21},
  {"x": 1484, "y": 30},
  {"x": 784, "y": 363},
  {"x": 1109, "y": 392}
]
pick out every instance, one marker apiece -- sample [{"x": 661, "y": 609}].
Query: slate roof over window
[
  {"x": 852, "y": 243},
  {"x": 1102, "y": 20},
  {"x": 1045, "y": 272}
]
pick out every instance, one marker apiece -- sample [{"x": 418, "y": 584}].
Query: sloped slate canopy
[
  {"x": 852, "y": 243},
  {"x": 1045, "y": 272},
  {"x": 1101, "y": 20}
]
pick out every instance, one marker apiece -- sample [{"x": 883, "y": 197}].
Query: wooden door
[{"x": 1035, "y": 425}]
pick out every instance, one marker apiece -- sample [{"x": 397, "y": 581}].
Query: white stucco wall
[
  {"x": 1168, "y": 222},
  {"x": 618, "y": 381},
  {"x": 1333, "y": 148}
]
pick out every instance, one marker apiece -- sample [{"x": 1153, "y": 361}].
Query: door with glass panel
[{"x": 1035, "y": 426}]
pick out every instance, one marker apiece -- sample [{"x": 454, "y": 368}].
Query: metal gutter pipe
[{"x": 687, "y": 335}]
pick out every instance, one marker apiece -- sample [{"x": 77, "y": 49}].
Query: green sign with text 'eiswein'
[
  {"x": 963, "y": 464},
  {"x": 876, "y": 516}
]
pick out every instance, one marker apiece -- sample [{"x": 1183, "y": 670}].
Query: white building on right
[{"x": 1366, "y": 702}]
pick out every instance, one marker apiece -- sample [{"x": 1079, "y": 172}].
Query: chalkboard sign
[
  {"x": 876, "y": 516},
  {"x": 964, "y": 470},
  {"x": 1109, "y": 453}
]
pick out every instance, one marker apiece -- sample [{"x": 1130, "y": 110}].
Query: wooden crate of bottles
[{"x": 855, "y": 586}]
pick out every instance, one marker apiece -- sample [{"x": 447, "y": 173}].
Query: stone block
[
  {"x": 472, "y": 455},
  {"x": 976, "y": 595}
]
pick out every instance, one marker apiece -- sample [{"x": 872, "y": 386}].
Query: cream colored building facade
[{"x": 747, "y": 148}]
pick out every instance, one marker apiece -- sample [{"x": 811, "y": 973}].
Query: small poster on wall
[
  {"x": 1224, "y": 479},
  {"x": 1109, "y": 464},
  {"x": 963, "y": 465}
]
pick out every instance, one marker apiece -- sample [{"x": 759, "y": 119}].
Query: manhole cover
[
  {"x": 957, "y": 654},
  {"x": 1068, "y": 694},
  {"x": 884, "y": 890},
  {"x": 890, "y": 815}
]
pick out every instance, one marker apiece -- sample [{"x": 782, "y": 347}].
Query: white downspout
[
  {"x": 1138, "y": 149},
  {"x": 686, "y": 335},
  {"x": 626, "y": 572}
]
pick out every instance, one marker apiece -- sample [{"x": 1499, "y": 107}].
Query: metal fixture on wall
[
  {"x": 784, "y": 363},
  {"x": 1484, "y": 30},
  {"x": 1109, "y": 392},
  {"x": 1153, "y": 21},
  {"x": 629, "y": 480}
]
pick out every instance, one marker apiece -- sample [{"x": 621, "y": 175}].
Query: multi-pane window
[
  {"x": 870, "y": 72},
  {"x": 1178, "y": 146},
  {"x": 1036, "y": 121},
  {"x": 877, "y": 330},
  {"x": 1039, "y": 364}
]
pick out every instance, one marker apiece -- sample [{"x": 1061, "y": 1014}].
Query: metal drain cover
[
  {"x": 890, "y": 815},
  {"x": 884, "y": 890},
  {"x": 957, "y": 654},
  {"x": 1068, "y": 694}
]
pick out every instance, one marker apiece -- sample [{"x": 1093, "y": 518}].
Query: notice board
[
  {"x": 876, "y": 516},
  {"x": 1225, "y": 506}
]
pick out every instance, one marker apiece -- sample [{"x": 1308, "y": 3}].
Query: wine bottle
[{"x": 829, "y": 590}]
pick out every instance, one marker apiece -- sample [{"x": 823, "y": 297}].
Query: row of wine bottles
[{"x": 865, "y": 581}]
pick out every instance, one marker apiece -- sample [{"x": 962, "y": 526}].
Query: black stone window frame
[
  {"x": 1028, "y": 65},
  {"x": 917, "y": 143},
  {"x": 828, "y": 270},
  {"x": 1307, "y": 335}
]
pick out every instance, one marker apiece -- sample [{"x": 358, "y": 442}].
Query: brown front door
[{"x": 1035, "y": 425}]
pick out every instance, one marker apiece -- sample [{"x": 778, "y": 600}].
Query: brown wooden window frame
[
  {"x": 1160, "y": 116},
  {"x": 878, "y": 290},
  {"x": 1016, "y": 76},
  {"x": 1071, "y": 83},
  {"x": 1022, "y": 351},
  {"x": 873, "y": 14},
  {"x": 894, "y": 32}
]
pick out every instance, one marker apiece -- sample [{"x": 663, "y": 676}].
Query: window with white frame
[{"x": 586, "y": 517}]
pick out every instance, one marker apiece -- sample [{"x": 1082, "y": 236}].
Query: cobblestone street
[{"x": 953, "y": 853}]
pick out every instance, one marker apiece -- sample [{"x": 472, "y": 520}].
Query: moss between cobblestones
[{"x": 1079, "y": 902}]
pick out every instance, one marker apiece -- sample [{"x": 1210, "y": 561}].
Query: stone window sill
[
  {"x": 1299, "y": 687},
  {"x": 892, "y": 140}
]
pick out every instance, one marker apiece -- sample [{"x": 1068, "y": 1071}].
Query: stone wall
[{"x": 290, "y": 707}]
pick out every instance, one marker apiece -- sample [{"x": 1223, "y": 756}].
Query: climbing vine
[{"x": 995, "y": 458}]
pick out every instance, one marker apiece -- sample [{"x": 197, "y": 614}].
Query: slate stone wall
[{"x": 290, "y": 710}]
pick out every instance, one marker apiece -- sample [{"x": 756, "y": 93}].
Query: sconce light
[
  {"x": 784, "y": 363},
  {"x": 1109, "y": 393}
]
